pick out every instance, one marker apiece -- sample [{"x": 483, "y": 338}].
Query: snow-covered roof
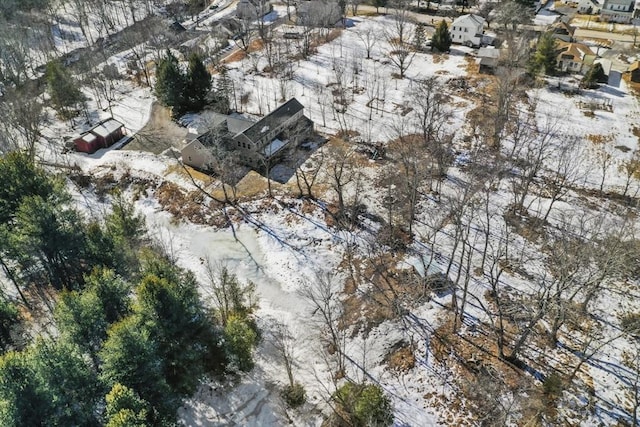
[
  {"x": 89, "y": 137},
  {"x": 107, "y": 127},
  {"x": 468, "y": 19},
  {"x": 488, "y": 52}
]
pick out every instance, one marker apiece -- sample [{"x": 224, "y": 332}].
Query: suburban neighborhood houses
[{"x": 320, "y": 213}]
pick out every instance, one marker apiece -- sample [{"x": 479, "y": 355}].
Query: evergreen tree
[
  {"x": 81, "y": 320},
  {"x": 67, "y": 382},
  {"x": 223, "y": 91},
  {"x": 125, "y": 408},
  {"x": 113, "y": 293},
  {"x": 8, "y": 319},
  {"x": 170, "y": 83},
  {"x": 240, "y": 338},
  {"x": 173, "y": 312},
  {"x": 594, "y": 76},
  {"x": 419, "y": 37},
  {"x": 63, "y": 90},
  {"x": 363, "y": 405},
  {"x": 48, "y": 241},
  {"x": 23, "y": 403},
  {"x": 378, "y": 4},
  {"x": 198, "y": 83},
  {"x": 441, "y": 41},
  {"x": 544, "y": 58},
  {"x": 20, "y": 178},
  {"x": 130, "y": 357}
]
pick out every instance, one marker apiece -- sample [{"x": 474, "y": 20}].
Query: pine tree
[
  {"x": 125, "y": 408},
  {"x": 441, "y": 40},
  {"x": 544, "y": 58},
  {"x": 170, "y": 83},
  {"x": 223, "y": 93},
  {"x": 419, "y": 37},
  {"x": 594, "y": 76},
  {"x": 198, "y": 83},
  {"x": 63, "y": 90}
]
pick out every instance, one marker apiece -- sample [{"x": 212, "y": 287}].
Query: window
[
  {"x": 238, "y": 143},
  {"x": 466, "y": 29}
]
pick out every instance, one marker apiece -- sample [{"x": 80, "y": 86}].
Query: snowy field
[{"x": 292, "y": 244}]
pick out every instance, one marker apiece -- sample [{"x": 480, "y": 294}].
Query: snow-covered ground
[{"x": 293, "y": 245}]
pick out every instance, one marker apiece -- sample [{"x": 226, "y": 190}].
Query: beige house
[{"x": 574, "y": 57}]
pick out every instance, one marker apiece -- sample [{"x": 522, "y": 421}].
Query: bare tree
[
  {"x": 631, "y": 170},
  {"x": 285, "y": 344},
  {"x": 369, "y": 38},
  {"x": 565, "y": 171},
  {"x": 307, "y": 174},
  {"x": 323, "y": 294},
  {"x": 23, "y": 118}
]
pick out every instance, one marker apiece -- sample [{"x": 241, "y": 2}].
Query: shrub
[
  {"x": 294, "y": 395},
  {"x": 552, "y": 386},
  {"x": 363, "y": 405}
]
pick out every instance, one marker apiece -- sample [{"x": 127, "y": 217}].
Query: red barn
[{"x": 102, "y": 135}]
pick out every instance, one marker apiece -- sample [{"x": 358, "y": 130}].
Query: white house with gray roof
[
  {"x": 620, "y": 11},
  {"x": 467, "y": 30}
]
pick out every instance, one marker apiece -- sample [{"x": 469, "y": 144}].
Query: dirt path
[{"x": 159, "y": 134}]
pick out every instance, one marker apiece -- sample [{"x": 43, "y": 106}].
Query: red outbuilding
[{"x": 102, "y": 135}]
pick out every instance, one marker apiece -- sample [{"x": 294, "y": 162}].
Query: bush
[
  {"x": 294, "y": 395},
  {"x": 552, "y": 386},
  {"x": 363, "y": 405},
  {"x": 240, "y": 339}
]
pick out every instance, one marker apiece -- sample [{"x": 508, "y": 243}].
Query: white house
[
  {"x": 467, "y": 29},
  {"x": 617, "y": 11},
  {"x": 588, "y": 7}
]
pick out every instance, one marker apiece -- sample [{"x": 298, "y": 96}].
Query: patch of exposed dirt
[{"x": 159, "y": 134}]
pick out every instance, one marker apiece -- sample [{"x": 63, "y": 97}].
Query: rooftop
[
  {"x": 106, "y": 127},
  {"x": 274, "y": 119},
  {"x": 475, "y": 19}
]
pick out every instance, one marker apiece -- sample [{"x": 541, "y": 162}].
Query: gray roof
[
  {"x": 274, "y": 119},
  {"x": 486, "y": 52},
  {"x": 621, "y": 2}
]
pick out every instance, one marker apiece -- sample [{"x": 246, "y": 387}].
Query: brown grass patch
[
  {"x": 236, "y": 56},
  {"x": 188, "y": 173},
  {"x": 374, "y": 288},
  {"x": 599, "y": 139},
  {"x": 439, "y": 58},
  {"x": 180, "y": 204},
  {"x": 401, "y": 359}
]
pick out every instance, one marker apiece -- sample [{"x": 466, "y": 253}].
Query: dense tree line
[
  {"x": 185, "y": 90},
  {"x": 132, "y": 337}
]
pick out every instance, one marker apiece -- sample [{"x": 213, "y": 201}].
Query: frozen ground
[{"x": 284, "y": 253}]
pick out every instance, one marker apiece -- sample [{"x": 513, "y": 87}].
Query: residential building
[
  {"x": 574, "y": 57},
  {"x": 488, "y": 58},
  {"x": 102, "y": 135},
  {"x": 634, "y": 71},
  {"x": 588, "y": 7},
  {"x": 620, "y": 11},
  {"x": 252, "y": 9},
  {"x": 467, "y": 30},
  {"x": 254, "y": 144},
  {"x": 318, "y": 13}
]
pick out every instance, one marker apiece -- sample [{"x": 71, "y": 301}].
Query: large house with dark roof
[{"x": 255, "y": 144}]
